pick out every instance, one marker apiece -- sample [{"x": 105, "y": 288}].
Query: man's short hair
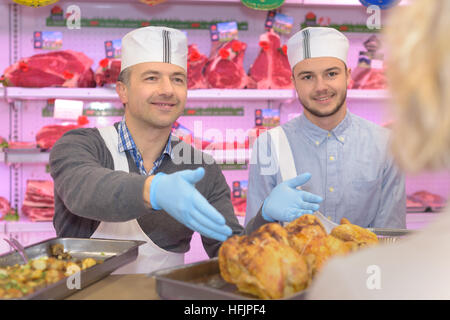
[{"x": 124, "y": 76}]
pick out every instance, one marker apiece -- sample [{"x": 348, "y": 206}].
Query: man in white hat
[
  {"x": 134, "y": 180},
  {"x": 345, "y": 158}
]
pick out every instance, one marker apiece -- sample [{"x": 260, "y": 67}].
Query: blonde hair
[{"x": 419, "y": 79}]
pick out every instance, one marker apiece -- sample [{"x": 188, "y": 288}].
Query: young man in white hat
[
  {"x": 134, "y": 180},
  {"x": 345, "y": 158}
]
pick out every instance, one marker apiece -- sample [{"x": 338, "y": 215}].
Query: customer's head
[{"x": 419, "y": 75}]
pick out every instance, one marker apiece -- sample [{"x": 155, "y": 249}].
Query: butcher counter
[{"x": 119, "y": 287}]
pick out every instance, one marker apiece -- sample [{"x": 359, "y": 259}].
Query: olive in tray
[{"x": 20, "y": 280}]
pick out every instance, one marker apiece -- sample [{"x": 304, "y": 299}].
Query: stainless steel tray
[
  {"x": 202, "y": 280},
  {"x": 114, "y": 253}
]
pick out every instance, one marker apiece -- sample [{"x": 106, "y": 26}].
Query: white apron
[
  {"x": 284, "y": 155},
  {"x": 150, "y": 257},
  {"x": 283, "y": 152}
]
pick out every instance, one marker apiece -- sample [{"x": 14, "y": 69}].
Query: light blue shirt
[{"x": 351, "y": 170}]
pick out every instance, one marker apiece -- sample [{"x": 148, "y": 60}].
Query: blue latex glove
[
  {"x": 176, "y": 194},
  {"x": 286, "y": 203}
]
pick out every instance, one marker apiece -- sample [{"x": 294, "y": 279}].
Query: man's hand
[
  {"x": 286, "y": 203},
  {"x": 175, "y": 193}
]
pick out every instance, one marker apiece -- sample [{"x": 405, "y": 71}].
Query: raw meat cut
[
  {"x": 48, "y": 135},
  {"x": 368, "y": 78},
  {"x": 3, "y": 143},
  {"x": 39, "y": 200},
  {"x": 271, "y": 69},
  {"x": 38, "y": 214},
  {"x": 239, "y": 206},
  {"x": 411, "y": 202},
  {"x": 429, "y": 199},
  {"x": 4, "y": 207},
  {"x": 107, "y": 72},
  {"x": 21, "y": 145},
  {"x": 225, "y": 69},
  {"x": 54, "y": 69},
  {"x": 195, "y": 66}
]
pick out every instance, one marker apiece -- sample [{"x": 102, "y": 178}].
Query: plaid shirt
[{"x": 126, "y": 143}]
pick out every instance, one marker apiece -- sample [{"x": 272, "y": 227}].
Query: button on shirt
[
  {"x": 126, "y": 143},
  {"x": 351, "y": 170}
]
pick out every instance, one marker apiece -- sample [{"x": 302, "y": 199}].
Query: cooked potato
[
  {"x": 52, "y": 276},
  {"x": 87, "y": 263},
  {"x": 19, "y": 280},
  {"x": 72, "y": 268},
  {"x": 39, "y": 264}
]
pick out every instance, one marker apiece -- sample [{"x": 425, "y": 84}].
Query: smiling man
[
  {"x": 125, "y": 181},
  {"x": 345, "y": 157}
]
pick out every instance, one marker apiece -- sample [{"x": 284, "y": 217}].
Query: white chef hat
[
  {"x": 316, "y": 42},
  {"x": 154, "y": 44}
]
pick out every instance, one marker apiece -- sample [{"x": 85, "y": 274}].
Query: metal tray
[
  {"x": 202, "y": 280},
  {"x": 114, "y": 253}
]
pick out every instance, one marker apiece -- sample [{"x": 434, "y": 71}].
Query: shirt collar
[
  {"x": 318, "y": 135},
  {"x": 126, "y": 142}
]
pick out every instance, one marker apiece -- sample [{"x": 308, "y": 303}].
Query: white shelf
[
  {"x": 25, "y": 225},
  {"x": 232, "y": 156},
  {"x": 24, "y": 156},
  {"x": 355, "y": 3},
  {"x": 109, "y": 94},
  {"x": 243, "y": 94}
]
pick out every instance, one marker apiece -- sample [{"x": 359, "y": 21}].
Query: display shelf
[
  {"x": 232, "y": 156},
  {"x": 24, "y": 156},
  {"x": 286, "y": 2},
  {"x": 109, "y": 94},
  {"x": 26, "y": 225},
  {"x": 337, "y": 2}
]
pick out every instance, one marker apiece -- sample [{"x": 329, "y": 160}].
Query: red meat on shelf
[
  {"x": 429, "y": 199},
  {"x": 65, "y": 68},
  {"x": 107, "y": 72},
  {"x": 5, "y": 207},
  {"x": 48, "y": 135},
  {"x": 195, "y": 66},
  {"x": 411, "y": 202},
  {"x": 21, "y": 145},
  {"x": 368, "y": 78},
  {"x": 271, "y": 69},
  {"x": 39, "y": 200},
  {"x": 225, "y": 69}
]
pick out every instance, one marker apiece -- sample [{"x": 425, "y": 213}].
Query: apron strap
[
  {"x": 111, "y": 138},
  {"x": 283, "y": 153}
]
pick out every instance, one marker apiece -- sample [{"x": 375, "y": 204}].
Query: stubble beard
[{"x": 319, "y": 114}]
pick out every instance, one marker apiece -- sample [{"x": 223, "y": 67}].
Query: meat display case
[{"x": 20, "y": 108}]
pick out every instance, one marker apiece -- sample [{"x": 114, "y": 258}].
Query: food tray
[
  {"x": 114, "y": 253},
  {"x": 202, "y": 280}
]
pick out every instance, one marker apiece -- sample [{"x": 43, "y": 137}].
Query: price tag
[
  {"x": 227, "y": 31},
  {"x": 283, "y": 23},
  {"x": 68, "y": 109},
  {"x": 113, "y": 48}
]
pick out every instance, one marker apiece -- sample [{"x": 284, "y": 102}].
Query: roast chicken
[{"x": 275, "y": 262}]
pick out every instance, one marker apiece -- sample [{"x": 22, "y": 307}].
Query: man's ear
[
  {"x": 122, "y": 91},
  {"x": 349, "y": 76}
]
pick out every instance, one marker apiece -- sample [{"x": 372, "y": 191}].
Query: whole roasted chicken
[{"x": 275, "y": 262}]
